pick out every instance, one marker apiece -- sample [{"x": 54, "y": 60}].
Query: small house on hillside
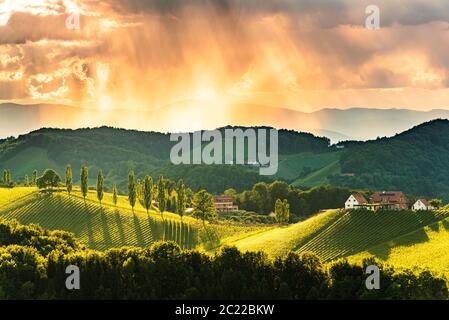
[
  {"x": 355, "y": 200},
  {"x": 390, "y": 200},
  {"x": 225, "y": 204},
  {"x": 380, "y": 200},
  {"x": 422, "y": 204}
]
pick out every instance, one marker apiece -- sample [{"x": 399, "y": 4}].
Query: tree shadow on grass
[
  {"x": 152, "y": 227},
  {"x": 121, "y": 231},
  {"x": 90, "y": 234},
  {"x": 383, "y": 251},
  {"x": 209, "y": 237},
  {"x": 138, "y": 230},
  {"x": 104, "y": 224}
]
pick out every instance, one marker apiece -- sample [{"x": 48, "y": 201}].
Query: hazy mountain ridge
[{"x": 336, "y": 124}]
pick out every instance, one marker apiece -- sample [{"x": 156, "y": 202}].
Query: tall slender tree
[
  {"x": 147, "y": 191},
  {"x": 161, "y": 196},
  {"x": 285, "y": 211},
  {"x": 100, "y": 186},
  {"x": 69, "y": 179},
  {"x": 6, "y": 177},
  {"x": 132, "y": 192},
  {"x": 114, "y": 194},
  {"x": 34, "y": 177},
  {"x": 26, "y": 181},
  {"x": 84, "y": 181},
  {"x": 182, "y": 198}
]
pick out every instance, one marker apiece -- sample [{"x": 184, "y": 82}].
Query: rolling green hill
[
  {"x": 301, "y": 165},
  {"x": 279, "y": 241},
  {"x": 320, "y": 176},
  {"x": 422, "y": 248},
  {"x": 338, "y": 233},
  {"x": 402, "y": 238},
  {"x": 99, "y": 227},
  {"x": 108, "y": 226},
  {"x": 358, "y": 230}
]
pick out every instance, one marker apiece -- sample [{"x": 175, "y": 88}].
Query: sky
[{"x": 299, "y": 54}]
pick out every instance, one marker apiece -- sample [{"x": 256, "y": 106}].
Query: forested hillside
[
  {"x": 415, "y": 161},
  {"x": 117, "y": 151}
]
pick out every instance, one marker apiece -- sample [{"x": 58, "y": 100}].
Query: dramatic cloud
[{"x": 302, "y": 54}]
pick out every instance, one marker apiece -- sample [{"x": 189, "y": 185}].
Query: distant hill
[
  {"x": 116, "y": 151},
  {"x": 190, "y": 115},
  {"x": 415, "y": 161}
]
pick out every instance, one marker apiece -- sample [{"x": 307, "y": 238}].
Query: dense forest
[
  {"x": 33, "y": 265},
  {"x": 415, "y": 161}
]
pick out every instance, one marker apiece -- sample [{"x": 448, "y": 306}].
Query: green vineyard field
[
  {"x": 359, "y": 230},
  {"x": 99, "y": 227}
]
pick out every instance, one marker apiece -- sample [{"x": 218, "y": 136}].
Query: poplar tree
[
  {"x": 26, "y": 181},
  {"x": 34, "y": 177},
  {"x": 161, "y": 196},
  {"x": 147, "y": 192},
  {"x": 114, "y": 195},
  {"x": 84, "y": 181},
  {"x": 6, "y": 177},
  {"x": 182, "y": 199},
  {"x": 132, "y": 195},
  {"x": 285, "y": 211},
  {"x": 69, "y": 179},
  {"x": 278, "y": 210},
  {"x": 100, "y": 186}
]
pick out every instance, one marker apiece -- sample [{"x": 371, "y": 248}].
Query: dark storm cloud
[{"x": 322, "y": 13}]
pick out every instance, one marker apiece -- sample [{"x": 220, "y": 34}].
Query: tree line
[
  {"x": 162, "y": 195},
  {"x": 33, "y": 262},
  {"x": 174, "y": 196},
  {"x": 263, "y": 197}
]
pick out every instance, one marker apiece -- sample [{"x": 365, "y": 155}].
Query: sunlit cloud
[{"x": 303, "y": 55}]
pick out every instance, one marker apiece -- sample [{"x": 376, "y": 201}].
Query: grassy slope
[
  {"x": 423, "y": 248},
  {"x": 357, "y": 231},
  {"x": 279, "y": 241},
  {"x": 7, "y": 196},
  {"x": 337, "y": 233},
  {"x": 319, "y": 177},
  {"x": 290, "y": 166},
  {"x": 22, "y": 164}
]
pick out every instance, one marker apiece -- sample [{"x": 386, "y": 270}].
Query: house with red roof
[{"x": 355, "y": 201}]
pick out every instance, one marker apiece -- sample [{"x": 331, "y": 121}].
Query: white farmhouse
[
  {"x": 355, "y": 200},
  {"x": 422, "y": 204}
]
